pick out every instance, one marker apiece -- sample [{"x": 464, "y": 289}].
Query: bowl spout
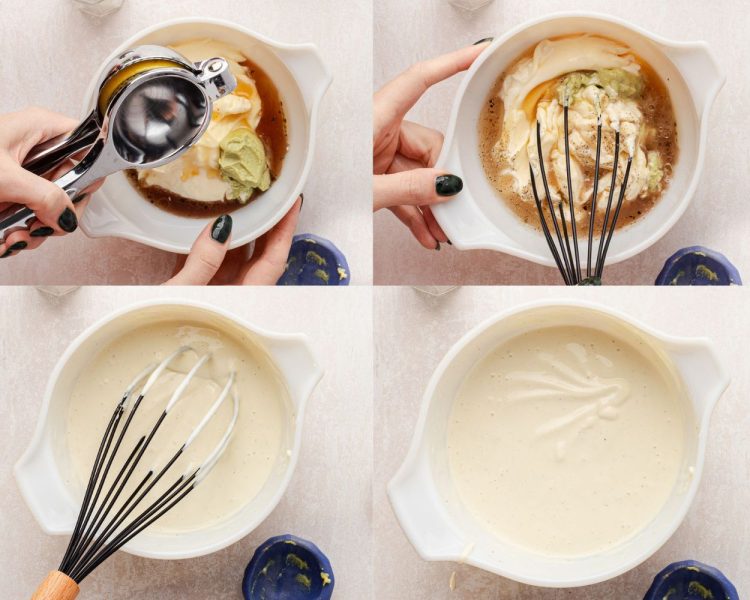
[
  {"x": 703, "y": 373},
  {"x": 43, "y": 489},
  {"x": 297, "y": 361},
  {"x": 421, "y": 513},
  {"x": 310, "y": 72},
  {"x": 701, "y": 72}
]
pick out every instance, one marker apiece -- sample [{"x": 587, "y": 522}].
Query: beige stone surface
[
  {"x": 50, "y": 52},
  {"x": 413, "y": 331},
  {"x": 328, "y": 500},
  {"x": 406, "y": 32}
]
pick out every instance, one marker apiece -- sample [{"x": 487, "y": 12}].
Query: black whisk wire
[
  {"x": 100, "y": 456},
  {"x": 612, "y": 187},
  {"x": 165, "y": 503},
  {"x": 80, "y": 536},
  {"x": 96, "y": 534},
  {"x": 611, "y": 232},
  {"x": 571, "y": 205},
  {"x": 567, "y": 272},
  {"x": 545, "y": 227},
  {"x": 592, "y": 212},
  {"x": 565, "y": 252}
]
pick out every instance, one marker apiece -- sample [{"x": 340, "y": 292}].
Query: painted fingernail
[
  {"x": 449, "y": 242},
  {"x": 221, "y": 228},
  {"x": 79, "y": 198},
  {"x": 42, "y": 232},
  {"x": 6, "y": 254},
  {"x": 68, "y": 221},
  {"x": 437, "y": 246},
  {"x": 29, "y": 221},
  {"x": 448, "y": 185},
  {"x": 19, "y": 246},
  {"x": 483, "y": 40},
  {"x": 301, "y": 201}
]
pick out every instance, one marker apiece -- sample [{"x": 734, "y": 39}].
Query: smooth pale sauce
[
  {"x": 259, "y": 442},
  {"x": 566, "y": 440}
]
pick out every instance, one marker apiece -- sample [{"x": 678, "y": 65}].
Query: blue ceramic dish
[
  {"x": 697, "y": 265},
  {"x": 314, "y": 260},
  {"x": 691, "y": 580},
  {"x": 286, "y": 567}
]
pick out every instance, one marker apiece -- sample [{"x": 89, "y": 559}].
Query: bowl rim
[
  {"x": 702, "y": 132},
  {"x": 38, "y": 437},
  {"x": 411, "y": 462},
  {"x": 313, "y": 115}
]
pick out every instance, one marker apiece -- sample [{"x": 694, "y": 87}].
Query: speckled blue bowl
[
  {"x": 696, "y": 265},
  {"x": 286, "y": 567},
  {"x": 691, "y": 580},
  {"x": 314, "y": 260}
]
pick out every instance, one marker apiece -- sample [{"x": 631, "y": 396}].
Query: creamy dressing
[
  {"x": 566, "y": 440},
  {"x": 261, "y": 436}
]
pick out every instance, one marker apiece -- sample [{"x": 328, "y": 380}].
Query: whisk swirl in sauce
[{"x": 567, "y": 440}]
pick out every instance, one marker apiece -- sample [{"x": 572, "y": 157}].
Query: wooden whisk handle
[{"x": 56, "y": 586}]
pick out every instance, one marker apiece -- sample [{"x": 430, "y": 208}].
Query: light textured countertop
[
  {"x": 328, "y": 499},
  {"x": 406, "y": 32},
  {"x": 413, "y": 332},
  {"x": 51, "y": 50}
]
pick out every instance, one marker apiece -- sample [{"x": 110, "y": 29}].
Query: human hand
[
  {"x": 209, "y": 262},
  {"x": 55, "y": 213},
  {"x": 404, "y": 153}
]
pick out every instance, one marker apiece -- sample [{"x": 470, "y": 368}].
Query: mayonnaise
[
  {"x": 526, "y": 101},
  {"x": 196, "y": 175}
]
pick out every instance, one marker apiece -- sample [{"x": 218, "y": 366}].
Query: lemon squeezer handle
[
  {"x": 51, "y": 154},
  {"x": 56, "y": 586},
  {"x": 47, "y": 157},
  {"x": 73, "y": 183}
]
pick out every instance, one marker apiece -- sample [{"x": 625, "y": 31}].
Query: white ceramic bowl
[
  {"x": 45, "y": 467},
  {"x": 301, "y": 78},
  {"x": 479, "y": 218},
  {"x": 426, "y": 501}
]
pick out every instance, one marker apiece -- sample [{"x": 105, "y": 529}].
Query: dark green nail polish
[
  {"x": 78, "y": 198},
  {"x": 221, "y": 229},
  {"x": 301, "y": 201},
  {"x": 483, "y": 40},
  {"x": 42, "y": 232},
  {"x": 7, "y": 253},
  {"x": 449, "y": 242},
  {"x": 437, "y": 246},
  {"x": 448, "y": 185},
  {"x": 19, "y": 246},
  {"x": 68, "y": 221}
]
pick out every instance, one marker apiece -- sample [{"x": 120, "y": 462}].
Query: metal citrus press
[{"x": 152, "y": 105}]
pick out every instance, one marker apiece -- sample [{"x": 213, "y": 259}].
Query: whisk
[
  {"x": 564, "y": 251},
  {"x": 111, "y": 515}
]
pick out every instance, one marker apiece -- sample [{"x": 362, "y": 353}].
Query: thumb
[
  {"x": 206, "y": 255},
  {"x": 417, "y": 187}
]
